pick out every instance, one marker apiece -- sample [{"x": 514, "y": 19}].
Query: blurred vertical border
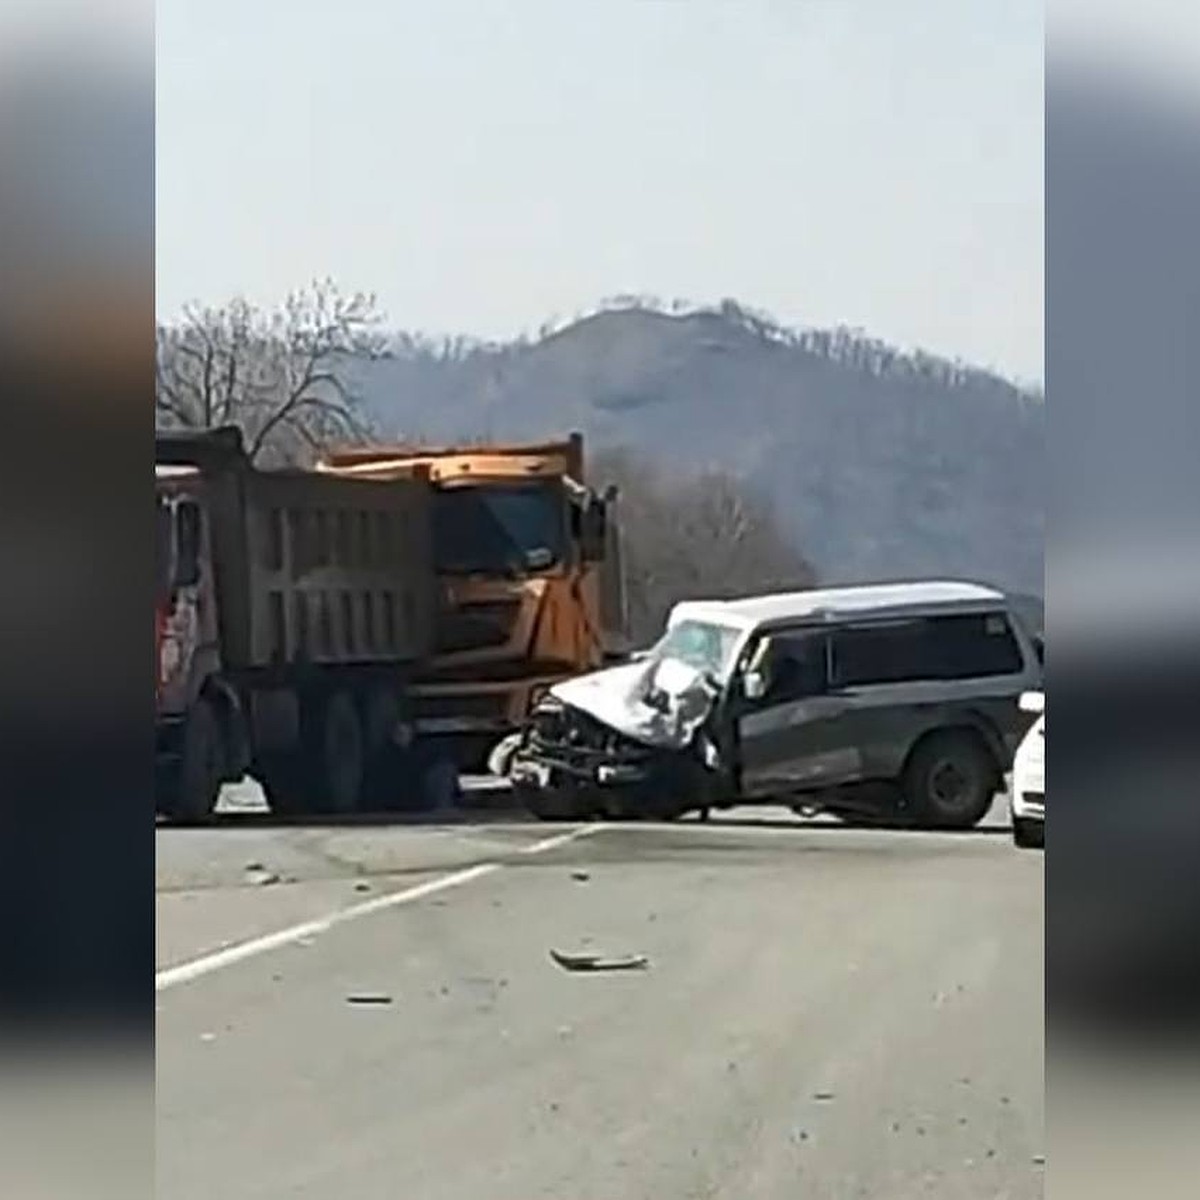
[
  {"x": 77, "y": 370},
  {"x": 1123, "y": 598}
]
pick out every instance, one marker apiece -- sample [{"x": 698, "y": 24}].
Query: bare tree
[
  {"x": 696, "y": 536},
  {"x": 285, "y": 377}
]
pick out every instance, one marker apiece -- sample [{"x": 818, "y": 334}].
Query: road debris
[
  {"x": 258, "y": 876},
  {"x": 581, "y": 876},
  {"x": 362, "y": 886},
  {"x": 364, "y": 998},
  {"x": 823, "y": 1095},
  {"x": 600, "y": 962}
]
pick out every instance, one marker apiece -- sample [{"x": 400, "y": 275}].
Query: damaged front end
[{"x": 624, "y": 743}]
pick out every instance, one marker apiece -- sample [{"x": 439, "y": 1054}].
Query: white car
[{"x": 1027, "y": 801}]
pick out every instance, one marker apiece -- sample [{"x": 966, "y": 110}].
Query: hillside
[{"x": 879, "y": 463}]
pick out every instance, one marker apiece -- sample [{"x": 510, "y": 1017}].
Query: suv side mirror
[
  {"x": 593, "y": 522},
  {"x": 754, "y": 684}
]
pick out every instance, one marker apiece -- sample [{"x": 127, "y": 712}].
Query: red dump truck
[{"x": 291, "y": 609}]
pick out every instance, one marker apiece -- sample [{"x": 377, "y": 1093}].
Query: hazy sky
[{"x": 485, "y": 165}]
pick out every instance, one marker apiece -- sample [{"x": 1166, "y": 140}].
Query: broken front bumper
[
  {"x": 566, "y": 747},
  {"x": 548, "y": 772}
]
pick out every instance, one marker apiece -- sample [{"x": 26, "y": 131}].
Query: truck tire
[
  {"x": 390, "y": 780},
  {"x": 326, "y": 771},
  {"x": 194, "y": 784},
  {"x": 950, "y": 780},
  {"x": 341, "y": 756},
  {"x": 287, "y": 783}
]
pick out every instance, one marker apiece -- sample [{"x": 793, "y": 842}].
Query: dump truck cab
[
  {"x": 184, "y": 612},
  {"x": 187, "y": 650},
  {"x": 529, "y": 571}
]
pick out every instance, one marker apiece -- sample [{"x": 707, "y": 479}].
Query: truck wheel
[
  {"x": 195, "y": 784},
  {"x": 950, "y": 781},
  {"x": 287, "y": 783},
  {"x": 342, "y": 756},
  {"x": 388, "y": 775}
]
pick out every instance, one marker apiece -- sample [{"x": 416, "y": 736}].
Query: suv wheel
[{"x": 950, "y": 781}]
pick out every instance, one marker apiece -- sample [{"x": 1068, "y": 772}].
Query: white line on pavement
[{"x": 207, "y": 963}]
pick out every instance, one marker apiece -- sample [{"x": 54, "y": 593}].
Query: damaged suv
[{"x": 896, "y": 703}]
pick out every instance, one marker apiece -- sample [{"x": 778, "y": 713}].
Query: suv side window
[
  {"x": 973, "y": 645},
  {"x": 959, "y": 646},
  {"x": 885, "y": 652},
  {"x": 797, "y": 666}
]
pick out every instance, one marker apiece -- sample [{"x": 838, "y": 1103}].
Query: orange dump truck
[{"x": 531, "y": 590}]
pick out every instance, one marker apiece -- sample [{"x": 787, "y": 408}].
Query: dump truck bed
[{"x": 314, "y": 568}]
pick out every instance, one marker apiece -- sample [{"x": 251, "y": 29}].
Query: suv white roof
[{"x": 878, "y": 599}]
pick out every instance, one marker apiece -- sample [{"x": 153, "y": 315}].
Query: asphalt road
[{"x": 825, "y": 1012}]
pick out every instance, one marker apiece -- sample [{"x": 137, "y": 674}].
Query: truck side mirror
[
  {"x": 163, "y": 546},
  {"x": 187, "y": 545},
  {"x": 593, "y": 532}
]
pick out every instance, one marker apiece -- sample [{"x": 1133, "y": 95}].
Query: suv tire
[{"x": 950, "y": 780}]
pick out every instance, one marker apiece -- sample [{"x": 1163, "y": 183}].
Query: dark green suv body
[{"x": 895, "y": 701}]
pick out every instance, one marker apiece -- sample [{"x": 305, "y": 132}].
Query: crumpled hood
[{"x": 617, "y": 697}]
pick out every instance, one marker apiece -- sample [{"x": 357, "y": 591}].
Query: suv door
[{"x": 788, "y": 739}]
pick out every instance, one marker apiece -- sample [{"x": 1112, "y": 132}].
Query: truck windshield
[
  {"x": 500, "y": 529},
  {"x": 699, "y": 644}
]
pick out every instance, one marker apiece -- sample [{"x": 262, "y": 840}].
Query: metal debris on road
[
  {"x": 600, "y": 962},
  {"x": 369, "y": 998}
]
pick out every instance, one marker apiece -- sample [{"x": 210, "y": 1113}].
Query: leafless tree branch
[{"x": 283, "y": 376}]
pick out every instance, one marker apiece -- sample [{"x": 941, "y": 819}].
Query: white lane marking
[
  {"x": 559, "y": 839},
  {"x": 207, "y": 963}
]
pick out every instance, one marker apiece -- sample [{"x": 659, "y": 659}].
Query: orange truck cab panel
[{"x": 528, "y": 571}]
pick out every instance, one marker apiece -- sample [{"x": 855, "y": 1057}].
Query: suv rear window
[{"x": 961, "y": 646}]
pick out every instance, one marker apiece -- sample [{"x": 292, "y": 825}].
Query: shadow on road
[
  {"x": 482, "y": 803},
  {"x": 264, "y": 819},
  {"x": 834, "y": 826}
]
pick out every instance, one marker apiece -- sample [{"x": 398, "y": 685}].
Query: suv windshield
[
  {"x": 699, "y": 644},
  {"x": 500, "y": 529}
]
